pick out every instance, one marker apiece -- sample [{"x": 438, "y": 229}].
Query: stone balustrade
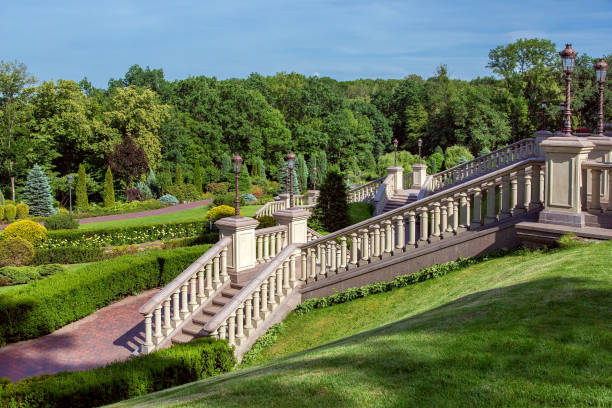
[
  {"x": 165, "y": 312},
  {"x": 487, "y": 163},
  {"x": 408, "y": 180},
  {"x": 249, "y": 308},
  {"x": 365, "y": 192},
  {"x": 270, "y": 208},
  {"x": 302, "y": 201},
  {"x": 270, "y": 242},
  {"x": 594, "y": 186},
  {"x": 518, "y": 187}
]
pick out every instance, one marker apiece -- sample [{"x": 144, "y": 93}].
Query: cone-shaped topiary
[
  {"x": 109, "y": 189},
  {"x": 197, "y": 176},
  {"x": 38, "y": 193},
  {"x": 81, "y": 189},
  {"x": 178, "y": 177},
  {"x": 333, "y": 201}
]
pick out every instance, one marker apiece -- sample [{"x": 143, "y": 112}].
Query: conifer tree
[
  {"x": 197, "y": 176},
  {"x": 2, "y": 202},
  {"x": 82, "y": 201},
  {"x": 153, "y": 184},
  {"x": 38, "y": 193},
  {"x": 109, "y": 189},
  {"x": 333, "y": 201},
  {"x": 322, "y": 168},
  {"x": 282, "y": 179},
  {"x": 312, "y": 163},
  {"x": 178, "y": 177},
  {"x": 302, "y": 172}
]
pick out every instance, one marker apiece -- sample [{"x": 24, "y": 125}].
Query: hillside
[{"x": 530, "y": 329}]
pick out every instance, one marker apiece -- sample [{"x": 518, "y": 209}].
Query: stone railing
[
  {"x": 365, "y": 192},
  {"x": 165, "y": 312},
  {"x": 302, "y": 201},
  {"x": 311, "y": 234},
  {"x": 594, "y": 185},
  {"x": 408, "y": 180},
  {"x": 270, "y": 242},
  {"x": 495, "y": 160},
  {"x": 249, "y": 308},
  {"x": 270, "y": 208},
  {"x": 442, "y": 214}
]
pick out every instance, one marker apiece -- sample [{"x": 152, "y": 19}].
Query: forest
[{"x": 143, "y": 124}]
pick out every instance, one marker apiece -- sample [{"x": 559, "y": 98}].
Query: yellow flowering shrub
[
  {"x": 22, "y": 210},
  {"x": 29, "y": 230},
  {"x": 219, "y": 212}
]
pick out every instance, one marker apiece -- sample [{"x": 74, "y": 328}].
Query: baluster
[
  {"x": 184, "y": 305},
  {"x": 292, "y": 278},
  {"x": 223, "y": 330},
  {"x": 279, "y": 242},
  {"x": 477, "y": 213},
  {"x": 176, "y": 307},
  {"x": 271, "y": 295},
  {"x": 423, "y": 226},
  {"x": 248, "y": 311},
  {"x": 338, "y": 261},
  {"x": 313, "y": 264},
  {"x": 148, "y": 343},
  {"x": 343, "y": 254},
  {"x": 354, "y": 250},
  {"x": 167, "y": 321},
  {"x": 388, "y": 237},
  {"x": 201, "y": 293},
  {"x": 541, "y": 187},
  {"x": 216, "y": 279},
  {"x": 365, "y": 247},
  {"x": 504, "y": 192},
  {"x": 527, "y": 192},
  {"x": 240, "y": 322},
  {"x": 411, "y": 230},
  {"x": 256, "y": 305},
  {"x": 535, "y": 186},
  {"x": 266, "y": 250},
  {"x": 443, "y": 218},
  {"x": 279, "y": 282},
  {"x": 224, "y": 275},
  {"x": 401, "y": 235},
  {"x": 465, "y": 212},
  {"x": 158, "y": 325},
  {"x": 450, "y": 204},
  {"x": 193, "y": 303},
  {"x": 436, "y": 223},
  {"x": 303, "y": 271},
  {"x": 491, "y": 215},
  {"x": 332, "y": 256},
  {"x": 259, "y": 249},
  {"x": 286, "y": 285},
  {"x": 376, "y": 249},
  {"x": 272, "y": 245},
  {"x": 456, "y": 215},
  {"x": 231, "y": 335},
  {"x": 520, "y": 208},
  {"x": 431, "y": 220},
  {"x": 264, "y": 298},
  {"x": 513, "y": 193},
  {"x": 209, "y": 281}
]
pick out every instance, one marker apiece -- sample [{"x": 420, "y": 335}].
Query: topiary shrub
[
  {"x": 333, "y": 201},
  {"x": 10, "y": 212},
  {"x": 169, "y": 199},
  {"x": 29, "y": 230},
  {"x": 221, "y": 211},
  {"x": 61, "y": 221},
  {"x": 22, "y": 210},
  {"x": 109, "y": 189},
  {"x": 16, "y": 252},
  {"x": 19, "y": 275},
  {"x": 51, "y": 269},
  {"x": 266, "y": 221}
]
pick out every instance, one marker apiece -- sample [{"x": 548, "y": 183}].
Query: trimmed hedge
[
  {"x": 41, "y": 307},
  {"x": 124, "y": 235},
  {"x": 67, "y": 255},
  {"x": 141, "y": 375},
  {"x": 17, "y": 275}
]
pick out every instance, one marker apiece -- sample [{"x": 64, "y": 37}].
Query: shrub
[
  {"x": 271, "y": 188},
  {"x": 38, "y": 193},
  {"x": 16, "y": 252},
  {"x": 197, "y": 176},
  {"x": 10, "y": 212},
  {"x": 184, "y": 192},
  {"x": 222, "y": 211},
  {"x": 358, "y": 212},
  {"x": 218, "y": 188},
  {"x": 19, "y": 275},
  {"x": 228, "y": 199},
  {"x": 119, "y": 208},
  {"x": 67, "y": 255},
  {"x": 333, "y": 201},
  {"x": 257, "y": 191},
  {"x": 61, "y": 221},
  {"x": 248, "y": 198},
  {"x": 109, "y": 189},
  {"x": 144, "y": 192},
  {"x": 1, "y": 212},
  {"x": 35, "y": 310},
  {"x": 26, "y": 229},
  {"x": 131, "y": 194},
  {"x": 22, "y": 210},
  {"x": 266, "y": 221},
  {"x": 48, "y": 270},
  {"x": 168, "y": 199},
  {"x": 118, "y": 381},
  {"x": 454, "y": 154},
  {"x": 82, "y": 201}
]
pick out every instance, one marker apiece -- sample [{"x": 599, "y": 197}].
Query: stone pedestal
[
  {"x": 397, "y": 175},
  {"x": 241, "y": 253},
  {"x": 564, "y": 156},
  {"x": 419, "y": 173},
  {"x": 541, "y": 136},
  {"x": 602, "y": 152},
  {"x": 296, "y": 221},
  {"x": 285, "y": 197},
  {"x": 313, "y": 196}
]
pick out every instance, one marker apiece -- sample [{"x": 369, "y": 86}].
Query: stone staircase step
[
  {"x": 193, "y": 329},
  {"x": 181, "y": 338}
]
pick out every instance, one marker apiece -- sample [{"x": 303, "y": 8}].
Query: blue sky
[{"x": 341, "y": 39}]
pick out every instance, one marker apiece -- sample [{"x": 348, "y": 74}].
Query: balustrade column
[
  {"x": 504, "y": 192},
  {"x": 167, "y": 321},
  {"x": 376, "y": 252},
  {"x": 443, "y": 218},
  {"x": 450, "y": 214},
  {"x": 231, "y": 328},
  {"x": 260, "y": 249},
  {"x": 313, "y": 264},
  {"x": 401, "y": 235},
  {"x": 477, "y": 213},
  {"x": 266, "y": 250},
  {"x": 240, "y": 322},
  {"x": 201, "y": 290},
  {"x": 541, "y": 191},
  {"x": 216, "y": 279},
  {"x": 365, "y": 247},
  {"x": 279, "y": 282},
  {"x": 264, "y": 298},
  {"x": 535, "y": 185},
  {"x": 223, "y": 331},
  {"x": 456, "y": 216},
  {"x": 513, "y": 193},
  {"x": 388, "y": 237},
  {"x": 148, "y": 343},
  {"x": 465, "y": 212},
  {"x": 436, "y": 221},
  {"x": 176, "y": 307},
  {"x": 224, "y": 274},
  {"x": 343, "y": 252},
  {"x": 248, "y": 312},
  {"x": 193, "y": 303},
  {"x": 338, "y": 258},
  {"x": 184, "y": 306},
  {"x": 423, "y": 226},
  {"x": 209, "y": 281},
  {"x": 595, "y": 190},
  {"x": 257, "y": 304},
  {"x": 491, "y": 214},
  {"x": 292, "y": 269},
  {"x": 527, "y": 192},
  {"x": 286, "y": 268},
  {"x": 158, "y": 325},
  {"x": 279, "y": 242},
  {"x": 332, "y": 256},
  {"x": 271, "y": 294},
  {"x": 354, "y": 250},
  {"x": 323, "y": 260},
  {"x": 411, "y": 230},
  {"x": 520, "y": 208}
]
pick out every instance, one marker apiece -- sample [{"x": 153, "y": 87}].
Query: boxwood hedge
[{"x": 40, "y": 307}]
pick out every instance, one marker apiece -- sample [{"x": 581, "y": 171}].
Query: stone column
[
  {"x": 564, "y": 156},
  {"x": 397, "y": 175},
  {"x": 595, "y": 190},
  {"x": 491, "y": 216},
  {"x": 418, "y": 175},
  {"x": 504, "y": 197},
  {"x": 296, "y": 221},
  {"x": 423, "y": 226},
  {"x": 477, "y": 213},
  {"x": 241, "y": 252}
]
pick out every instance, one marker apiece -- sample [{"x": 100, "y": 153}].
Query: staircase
[{"x": 401, "y": 198}]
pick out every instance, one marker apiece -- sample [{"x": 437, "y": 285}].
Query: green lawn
[
  {"x": 524, "y": 330},
  {"x": 193, "y": 214}
]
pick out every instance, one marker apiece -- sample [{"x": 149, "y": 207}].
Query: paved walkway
[
  {"x": 165, "y": 210},
  {"x": 110, "y": 334}
]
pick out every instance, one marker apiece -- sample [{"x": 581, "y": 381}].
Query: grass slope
[
  {"x": 192, "y": 214},
  {"x": 525, "y": 330}
]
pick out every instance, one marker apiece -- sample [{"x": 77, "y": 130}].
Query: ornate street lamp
[
  {"x": 395, "y": 146},
  {"x": 568, "y": 57},
  {"x": 69, "y": 177},
  {"x": 420, "y": 142},
  {"x": 314, "y": 178},
  {"x": 290, "y": 164},
  {"x": 601, "y": 71},
  {"x": 237, "y": 168},
  {"x": 543, "y": 105}
]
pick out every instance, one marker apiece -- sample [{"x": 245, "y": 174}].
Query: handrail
[
  {"x": 591, "y": 164},
  {"x": 184, "y": 277},
  {"x": 417, "y": 204},
  {"x": 222, "y": 315},
  {"x": 378, "y": 180},
  {"x": 269, "y": 230},
  {"x": 314, "y": 233}
]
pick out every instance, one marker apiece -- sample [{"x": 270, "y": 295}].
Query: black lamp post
[
  {"x": 395, "y": 148},
  {"x": 314, "y": 170},
  {"x": 601, "y": 71},
  {"x": 568, "y": 57},
  {"x": 543, "y": 104},
  {"x": 290, "y": 165},
  {"x": 420, "y": 143},
  {"x": 69, "y": 177},
  {"x": 237, "y": 168}
]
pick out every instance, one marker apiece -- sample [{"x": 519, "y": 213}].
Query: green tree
[
  {"x": 82, "y": 201},
  {"x": 178, "y": 175},
  {"x": 302, "y": 172},
  {"x": 282, "y": 178},
  {"x": 333, "y": 201},
  {"x": 197, "y": 176},
  {"x": 109, "y": 189},
  {"x": 38, "y": 193},
  {"x": 455, "y": 154}
]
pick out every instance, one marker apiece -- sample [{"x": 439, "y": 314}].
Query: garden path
[
  {"x": 112, "y": 333},
  {"x": 165, "y": 210}
]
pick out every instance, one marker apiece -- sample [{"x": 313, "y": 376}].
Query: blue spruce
[{"x": 38, "y": 193}]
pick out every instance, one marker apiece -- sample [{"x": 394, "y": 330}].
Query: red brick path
[{"x": 110, "y": 334}]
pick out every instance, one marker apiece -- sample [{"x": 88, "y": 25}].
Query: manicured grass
[
  {"x": 193, "y": 214},
  {"x": 358, "y": 212},
  {"x": 532, "y": 329}
]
